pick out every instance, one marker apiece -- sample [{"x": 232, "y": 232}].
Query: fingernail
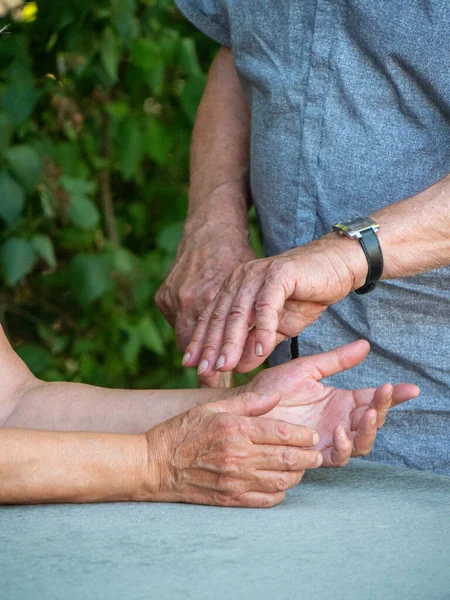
[
  {"x": 316, "y": 439},
  {"x": 186, "y": 358},
  {"x": 220, "y": 361},
  {"x": 319, "y": 460},
  {"x": 259, "y": 350},
  {"x": 373, "y": 421},
  {"x": 341, "y": 432},
  {"x": 204, "y": 364}
]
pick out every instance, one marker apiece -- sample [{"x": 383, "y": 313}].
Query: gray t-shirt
[{"x": 350, "y": 104}]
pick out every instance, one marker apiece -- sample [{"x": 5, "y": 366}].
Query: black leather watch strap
[{"x": 372, "y": 250}]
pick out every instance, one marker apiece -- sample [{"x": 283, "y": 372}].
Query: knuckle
[
  {"x": 289, "y": 458},
  {"x": 219, "y": 314},
  {"x": 162, "y": 296},
  {"x": 283, "y": 432},
  {"x": 228, "y": 426},
  {"x": 283, "y": 482},
  {"x": 203, "y": 318},
  {"x": 210, "y": 294},
  {"x": 228, "y": 464},
  {"x": 237, "y": 311},
  {"x": 221, "y": 499},
  {"x": 227, "y": 485}
]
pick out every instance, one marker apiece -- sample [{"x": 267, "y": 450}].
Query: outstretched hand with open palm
[{"x": 346, "y": 420}]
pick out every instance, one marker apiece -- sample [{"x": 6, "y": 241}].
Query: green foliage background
[{"x": 97, "y": 105}]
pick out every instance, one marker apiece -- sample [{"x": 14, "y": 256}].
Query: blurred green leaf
[
  {"x": 90, "y": 277},
  {"x": 123, "y": 261},
  {"x": 188, "y": 57},
  {"x": 6, "y": 132},
  {"x": 25, "y": 163},
  {"x": 158, "y": 143},
  {"x": 132, "y": 347},
  {"x": 124, "y": 20},
  {"x": 169, "y": 237},
  {"x": 12, "y": 199},
  {"x": 83, "y": 212},
  {"x": 18, "y": 259},
  {"x": 130, "y": 148},
  {"x": 43, "y": 246},
  {"x": 191, "y": 95},
  {"x": 110, "y": 53},
  {"x": 93, "y": 88},
  {"x": 36, "y": 357},
  {"x": 77, "y": 186},
  {"x": 144, "y": 54},
  {"x": 19, "y": 100},
  {"x": 150, "y": 336}
]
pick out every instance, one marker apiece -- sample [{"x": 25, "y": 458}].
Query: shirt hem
[{"x": 203, "y": 23}]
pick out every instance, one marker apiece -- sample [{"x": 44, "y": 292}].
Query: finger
[
  {"x": 249, "y": 360},
  {"x": 241, "y": 318},
  {"x": 382, "y": 401},
  {"x": 258, "y": 500},
  {"x": 273, "y": 481},
  {"x": 366, "y": 434},
  {"x": 277, "y": 432},
  {"x": 342, "y": 448},
  {"x": 245, "y": 500},
  {"x": 403, "y": 392},
  {"x": 281, "y": 458},
  {"x": 223, "y": 312},
  {"x": 335, "y": 361},
  {"x": 248, "y": 480},
  {"x": 268, "y": 307},
  {"x": 247, "y": 404},
  {"x": 192, "y": 355}
]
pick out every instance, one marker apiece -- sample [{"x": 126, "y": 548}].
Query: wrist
[
  {"x": 220, "y": 209},
  {"x": 157, "y": 474},
  {"x": 351, "y": 256},
  {"x": 145, "y": 483}
]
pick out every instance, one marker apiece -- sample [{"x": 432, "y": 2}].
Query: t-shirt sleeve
[{"x": 209, "y": 16}]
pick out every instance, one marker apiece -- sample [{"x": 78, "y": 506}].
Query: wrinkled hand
[
  {"x": 224, "y": 453},
  {"x": 266, "y": 301},
  {"x": 205, "y": 258},
  {"x": 346, "y": 420}
]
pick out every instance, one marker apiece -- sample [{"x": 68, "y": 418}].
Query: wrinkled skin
[
  {"x": 346, "y": 420},
  {"x": 226, "y": 454},
  {"x": 204, "y": 260},
  {"x": 266, "y": 301}
]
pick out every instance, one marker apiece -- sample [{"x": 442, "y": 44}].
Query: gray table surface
[{"x": 366, "y": 532}]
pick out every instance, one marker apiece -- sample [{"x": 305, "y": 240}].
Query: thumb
[
  {"x": 247, "y": 404},
  {"x": 335, "y": 361}
]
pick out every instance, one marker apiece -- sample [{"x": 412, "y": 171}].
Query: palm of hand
[
  {"x": 305, "y": 401},
  {"x": 346, "y": 420}
]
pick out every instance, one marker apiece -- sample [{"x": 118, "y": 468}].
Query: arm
[
  {"x": 286, "y": 293},
  {"x": 221, "y": 453},
  {"x": 216, "y": 231}
]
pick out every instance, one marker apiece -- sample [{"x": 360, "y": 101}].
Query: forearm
[
  {"x": 219, "y": 186},
  {"x": 39, "y": 466},
  {"x": 414, "y": 236},
  {"x": 79, "y": 407}
]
